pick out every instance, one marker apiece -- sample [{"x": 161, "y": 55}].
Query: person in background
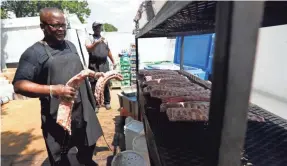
[
  {"x": 43, "y": 70},
  {"x": 99, "y": 52}
]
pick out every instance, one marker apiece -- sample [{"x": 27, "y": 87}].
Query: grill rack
[
  {"x": 233, "y": 24},
  {"x": 265, "y": 143}
]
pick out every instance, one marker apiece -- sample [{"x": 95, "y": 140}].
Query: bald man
[{"x": 43, "y": 70}]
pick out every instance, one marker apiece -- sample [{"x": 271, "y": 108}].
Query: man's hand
[
  {"x": 101, "y": 40},
  {"x": 99, "y": 74},
  {"x": 114, "y": 66},
  {"x": 63, "y": 91},
  {"x": 90, "y": 47}
]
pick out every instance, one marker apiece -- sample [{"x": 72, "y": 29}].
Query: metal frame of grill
[{"x": 236, "y": 24}]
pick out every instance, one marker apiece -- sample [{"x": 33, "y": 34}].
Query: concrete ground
[{"x": 21, "y": 135}]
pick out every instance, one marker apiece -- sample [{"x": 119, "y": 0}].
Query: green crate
[
  {"x": 126, "y": 75},
  {"x": 124, "y": 60},
  {"x": 126, "y": 83},
  {"x": 125, "y": 63},
  {"x": 125, "y": 67}
]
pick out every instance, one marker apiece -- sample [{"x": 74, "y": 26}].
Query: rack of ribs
[
  {"x": 66, "y": 104},
  {"x": 102, "y": 81}
]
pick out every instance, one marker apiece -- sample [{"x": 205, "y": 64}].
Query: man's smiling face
[{"x": 55, "y": 26}]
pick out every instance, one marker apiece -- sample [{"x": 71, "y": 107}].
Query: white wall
[
  {"x": 270, "y": 78},
  {"x": 156, "y": 49},
  {"x": 271, "y": 61},
  {"x": 118, "y": 41},
  {"x": 150, "y": 49}
]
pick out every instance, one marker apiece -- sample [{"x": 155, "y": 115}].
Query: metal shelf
[
  {"x": 177, "y": 18},
  {"x": 236, "y": 24},
  {"x": 265, "y": 143}
]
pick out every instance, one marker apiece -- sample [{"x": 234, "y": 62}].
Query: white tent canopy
[{"x": 20, "y": 33}]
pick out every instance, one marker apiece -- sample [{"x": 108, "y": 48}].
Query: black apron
[
  {"x": 60, "y": 70},
  {"x": 98, "y": 58}
]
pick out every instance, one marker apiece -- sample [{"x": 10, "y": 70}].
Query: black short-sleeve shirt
[{"x": 32, "y": 66}]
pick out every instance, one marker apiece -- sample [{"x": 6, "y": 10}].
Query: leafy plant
[{"x": 32, "y": 8}]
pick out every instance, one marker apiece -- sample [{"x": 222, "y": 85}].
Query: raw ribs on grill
[
  {"x": 194, "y": 111},
  {"x": 156, "y": 72}
]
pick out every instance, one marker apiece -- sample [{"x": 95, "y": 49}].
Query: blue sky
[{"x": 120, "y": 13}]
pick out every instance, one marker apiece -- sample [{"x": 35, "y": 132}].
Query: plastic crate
[
  {"x": 116, "y": 83},
  {"x": 126, "y": 83},
  {"x": 133, "y": 75},
  {"x": 124, "y": 60},
  {"x": 133, "y": 70},
  {"x": 133, "y": 65},
  {"x": 133, "y": 58},
  {"x": 133, "y": 62},
  {"x": 126, "y": 75},
  {"x": 125, "y": 68}
]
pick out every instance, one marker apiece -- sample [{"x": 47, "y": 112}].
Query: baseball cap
[{"x": 96, "y": 24}]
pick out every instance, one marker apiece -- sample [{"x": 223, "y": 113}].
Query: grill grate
[{"x": 184, "y": 143}]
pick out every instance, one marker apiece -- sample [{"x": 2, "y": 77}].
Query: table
[{"x": 130, "y": 104}]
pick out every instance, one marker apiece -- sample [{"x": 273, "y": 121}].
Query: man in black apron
[
  {"x": 43, "y": 70},
  {"x": 99, "y": 52}
]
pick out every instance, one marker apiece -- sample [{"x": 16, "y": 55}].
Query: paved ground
[{"x": 21, "y": 137}]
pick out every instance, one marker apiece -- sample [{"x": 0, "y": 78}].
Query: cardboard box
[
  {"x": 9, "y": 74},
  {"x": 19, "y": 97},
  {"x": 130, "y": 104},
  {"x": 13, "y": 70}
]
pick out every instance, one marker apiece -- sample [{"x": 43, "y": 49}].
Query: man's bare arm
[
  {"x": 31, "y": 89},
  {"x": 91, "y": 47},
  {"x": 111, "y": 57}
]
